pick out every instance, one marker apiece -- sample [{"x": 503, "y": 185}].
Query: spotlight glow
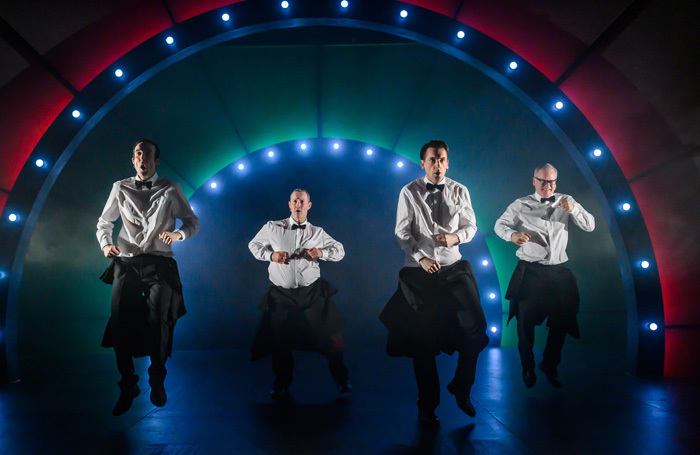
[
  {"x": 2, "y": 274},
  {"x": 285, "y": 4},
  {"x": 513, "y": 65},
  {"x": 460, "y": 34},
  {"x": 400, "y": 164},
  {"x": 344, "y": 3},
  {"x": 241, "y": 167},
  {"x": 170, "y": 40},
  {"x": 492, "y": 295},
  {"x": 597, "y": 152},
  {"x": 270, "y": 153},
  {"x": 303, "y": 146},
  {"x": 336, "y": 145},
  {"x": 369, "y": 151},
  {"x": 559, "y": 105},
  {"x": 13, "y": 217},
  {"x": 653, "y": 326},
  {"x": 403, "y": 13},
  {"x": 225, "y": 17},
  {"x": 118, "y": 72},
  {"x": 39, "y": 163},
  {"x": 484, "y": 262},
  {"x": 75, "y": 113},
  {"x": 645, "y": 264},
  {"x": 626, "y": 206},
  {"x": 212, "y": 184},
  {"x": 494, "y": 329}
]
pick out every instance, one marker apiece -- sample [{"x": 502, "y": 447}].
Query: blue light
[
  {"x": 2, "y": 274},
  {"x": 492, "y": 295},
  {"x": 645, "y": 264},
  {"x": 559, "y": 105},
  {"x": 39, "y": 163},
  {"x": 118, "y": 72},
  {"x": 513, "y": 65},
  {"x": 369, "y": 151},
  {"x": 494, "y": 329},
  {"x": 241, "y": 167},
  {"x": 403, "y": 14},
  {"x": 653, "y": 326},
  {"x": 400, "y": 164},
  {"x": 626, "y": 206},
  {"x": 285, "y": 4},
  {"x": 212, "y": 184},
  {"x": 13, "y": 217},
  {"x": 170, "y": 40},
  {"x": 460, "y": 34},
  {"x": 75, "y": 113},
  {"x": 336, "y": 145},
  {"x": 344, "y": 4},
  {"x": 303, "y": 146},
  {"x": 597, "y": 152},
  {"x": 485, "y": 262},
  {"x": 225, "y": 17},
  {"x": 270, "y": 153}
]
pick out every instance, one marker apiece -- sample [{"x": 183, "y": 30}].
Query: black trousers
[
  {"x": 144, "y": 304},
  {"x": 449, "y": 301},
  {"x": 552, "y": 351},
  {"x": 283, "y": 367}
]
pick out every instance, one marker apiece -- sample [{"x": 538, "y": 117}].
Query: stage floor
[{"x": 218, "y": 404}]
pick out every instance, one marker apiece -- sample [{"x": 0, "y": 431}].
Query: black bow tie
[
  {"x": 545, "y": 199},
  {"x": 439, "y": 187},
  {"x": 298, "y": 226},
  {"x": 140, "y": 183}
]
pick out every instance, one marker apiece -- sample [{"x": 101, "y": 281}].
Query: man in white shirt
[
  {"x": 146, "y": 288},
  {"x": 299, "y": 311},
  {"x": 541, "y": 287},
  {"x": 437, "y": 306}
]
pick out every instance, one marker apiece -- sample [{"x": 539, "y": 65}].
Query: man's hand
[
  {"x": 169, "y": 237},
  {"x": 566, "y": 205},
  {"x": 111, "y": 251},
  {"x": 519, "y": 238},
  {"x": 447, "y": 240},
  {"x": 280, "y": 257},
  {"x": 312, "y": 253},
  {"x": 429, "y": 265}
]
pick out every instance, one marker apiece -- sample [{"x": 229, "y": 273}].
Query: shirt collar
[
  {"x": 153, "y": 178},
  {"x": 538, "y": 198},
  {"x": 292, "y": 222},
  {"x": 441, "y": 182}
]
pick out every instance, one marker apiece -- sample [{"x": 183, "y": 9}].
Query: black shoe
[
  {"x": 278, "y": 393},
  {"x": 158, "y": 396},
  {"x": 529, "y": 378},
  {"x": 428, "y": 419},
  {"x": 463, "y": 400},
  {"x": 550, "y": 374},
  {"x": 126, "y": 397},
  {"x": 345, "y": 387}
]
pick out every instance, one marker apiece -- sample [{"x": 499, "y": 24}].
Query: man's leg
[
  {"x": 463, "y": 380},
  {"x": 552, "y": 354},
  {"x": 425, "y": 369},
  {"x": 158, "y": 298},
  {"x": 128, "y": 386},
  {"x": 526, "y": 339},
  {"x": 283, "y": 367},
  {"x": 339, "y": 371}
]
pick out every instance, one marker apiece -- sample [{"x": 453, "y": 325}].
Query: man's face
[
  {"x": 144, "y": 160},
  {"x": 435, "y": 163},
  {"x": 545, "y": 182},
  {"x": 299, "y": 205}
]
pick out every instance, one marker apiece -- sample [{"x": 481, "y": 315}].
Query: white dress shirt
[
  {"x": 546, "y": 223},
  {"x": 279, "y": 236},
  {"x": 423, "y": 214},
  {"x": 145, "y": 214}
]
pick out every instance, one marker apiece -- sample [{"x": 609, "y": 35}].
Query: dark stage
[{"x": 218, "y": 403}]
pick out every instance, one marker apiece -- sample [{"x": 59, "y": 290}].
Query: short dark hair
[
  {"x": 302, "y": 190},
  {"x": 147, "y": 141},
  {"x": 437, "y": 144}
]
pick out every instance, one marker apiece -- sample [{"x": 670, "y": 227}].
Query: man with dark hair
[
  {"x": 541, "y": 287},
  {"x": 299, "y": 310},
  {"x": 146, "y": 289},
  {"x": 437, "y": 305}
]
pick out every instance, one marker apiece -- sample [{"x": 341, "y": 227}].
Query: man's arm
[
  {"x": 332, "y": 250},
  {"x": 467, "y": 220},
  {"x": 260, "y": 246},
  {"x": 505, "y": 225},
  {"x": 183, "y": 211},
  {"x": 105, "y": 224},
  {"x": 404, "y": 220},
  {"x": 579, "y": 215}
]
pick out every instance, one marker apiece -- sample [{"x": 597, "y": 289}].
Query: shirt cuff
[
  {"x": 418, "y": 255},
  {"x": 182, "y": 233},
  {"x": 462, "y": 236},
  {"x": 267, "y": 255}
]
